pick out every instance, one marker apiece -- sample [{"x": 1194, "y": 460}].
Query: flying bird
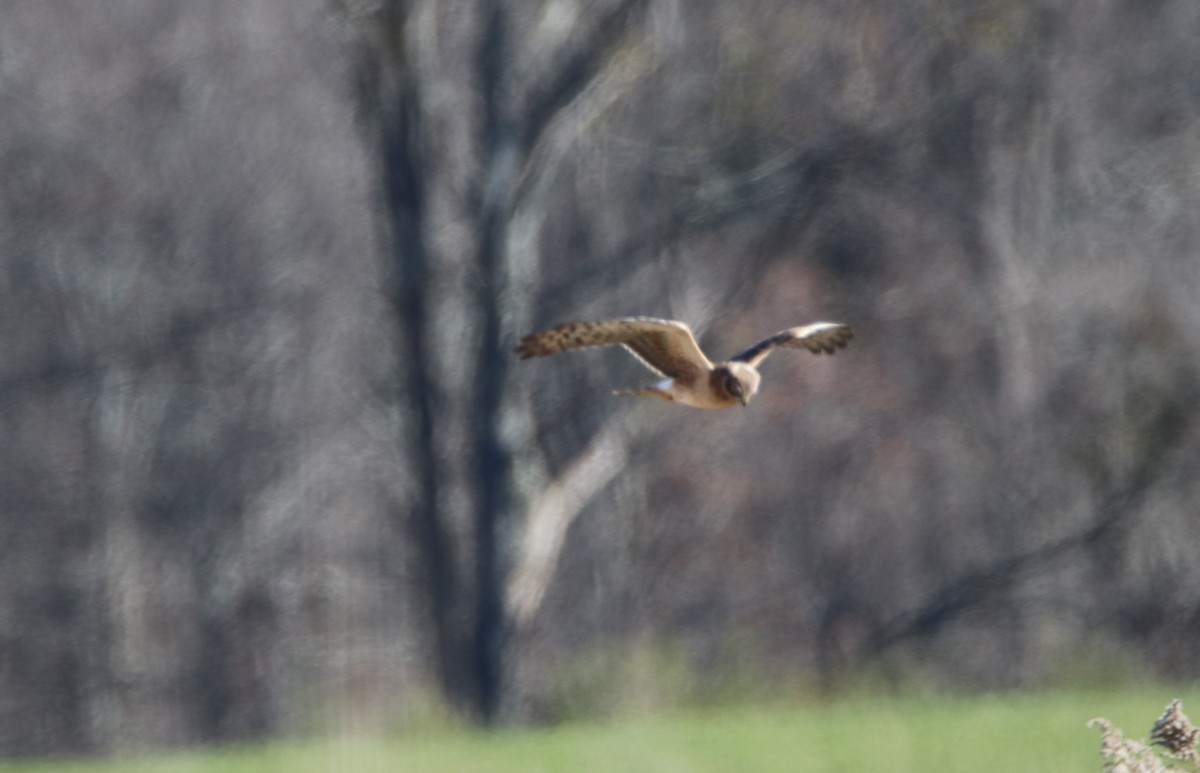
[{"x": 669, "y": 349}]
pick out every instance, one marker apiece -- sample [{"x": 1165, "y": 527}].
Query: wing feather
[
  {"x": 665, "y": 346},
  {"x": 826, "y": 337}
]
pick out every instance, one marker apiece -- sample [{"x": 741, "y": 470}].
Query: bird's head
[{"x": 737, "y": 379}]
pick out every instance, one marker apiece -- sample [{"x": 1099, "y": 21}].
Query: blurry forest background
[{"x": 269, "y": 467}]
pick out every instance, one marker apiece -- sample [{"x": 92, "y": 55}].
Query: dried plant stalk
[
  {"x": 1176, "y": 733},
  {"x": 1173, "y": 731}
]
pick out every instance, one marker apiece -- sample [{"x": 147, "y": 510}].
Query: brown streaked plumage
[{"x": 669, "y": 349}]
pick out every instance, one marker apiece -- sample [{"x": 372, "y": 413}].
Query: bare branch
[
  {"x": 578, "y": 71},
  {"x": 976, "y": 586},
  {"x": 553, "y": 512}
]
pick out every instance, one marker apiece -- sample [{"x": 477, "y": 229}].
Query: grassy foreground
[{"x": 1010, "y": 732}]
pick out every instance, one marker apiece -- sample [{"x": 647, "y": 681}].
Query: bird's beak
[{"x": 745, "y": 399}]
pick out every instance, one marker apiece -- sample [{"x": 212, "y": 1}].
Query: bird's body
[{"x": 668, "y": 348}]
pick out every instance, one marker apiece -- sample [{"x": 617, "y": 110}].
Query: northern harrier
[{"x": 669, "y": 349}]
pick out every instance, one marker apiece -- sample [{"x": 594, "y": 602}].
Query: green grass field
[{"x": 1008, "y": 732}]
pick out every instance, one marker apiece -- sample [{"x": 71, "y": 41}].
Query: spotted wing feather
[
  {"x": 819, "y": 337},
  {"x": 665, "y": 346}
]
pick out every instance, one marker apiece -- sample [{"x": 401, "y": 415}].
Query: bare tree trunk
[
  {"x": 395, "y": 85},
  {"x": 492, "y": 458}
]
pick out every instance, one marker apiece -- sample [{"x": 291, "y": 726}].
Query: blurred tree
[
  {"x": 195, "y": 491},
  {"x": 504, "y": 115}
]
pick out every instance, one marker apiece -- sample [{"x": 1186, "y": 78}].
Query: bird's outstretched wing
[
  {"x": 665, "y": 346},
  {"x": 818, "y": 337}
]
